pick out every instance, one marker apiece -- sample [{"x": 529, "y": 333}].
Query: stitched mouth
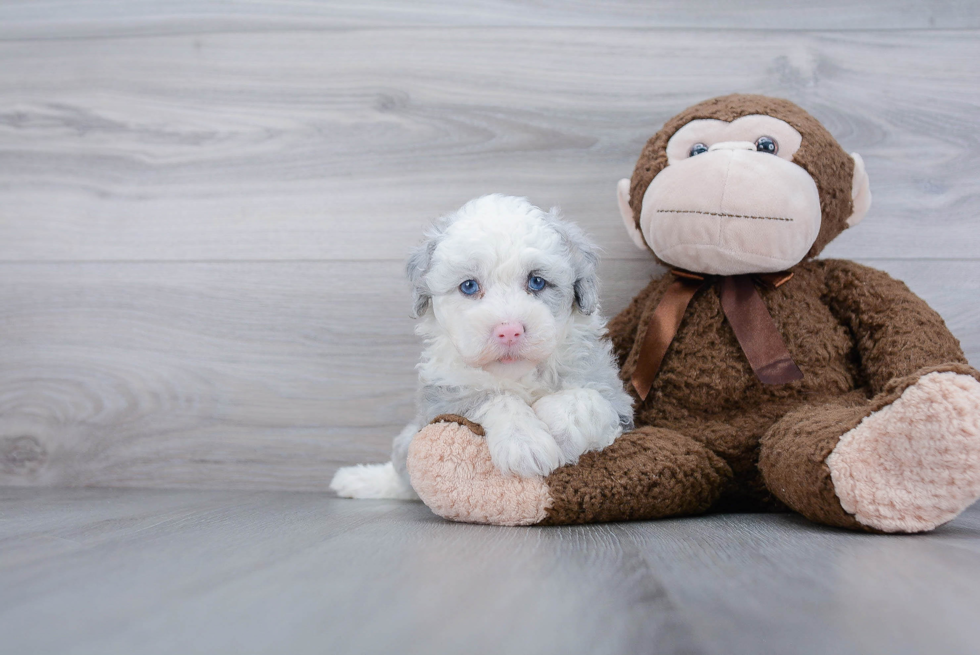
[{"x": 724, "y": 214}]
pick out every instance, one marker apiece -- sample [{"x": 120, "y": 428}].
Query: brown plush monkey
[{"x": 764, "y": 379}]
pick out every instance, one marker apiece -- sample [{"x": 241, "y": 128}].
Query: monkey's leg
[
  {"x": 648, "y": 473},
  {"x": 906, "y": 461}
]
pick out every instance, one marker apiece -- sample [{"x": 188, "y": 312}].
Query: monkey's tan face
[{"x": 731, "y": 200}]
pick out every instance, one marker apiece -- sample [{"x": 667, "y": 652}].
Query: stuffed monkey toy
[{"x": 763, "y": 379}]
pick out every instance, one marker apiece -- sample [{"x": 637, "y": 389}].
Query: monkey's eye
[
  {"x": 535, "y": 283},
  {"x": 767, "y": 144},
  {"x": 697, "y": 149},
  {"x": 469, "y": 287}
]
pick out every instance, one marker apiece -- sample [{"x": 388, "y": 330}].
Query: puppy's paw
[
  {"x": 524, "y": 448},
  {"x": 580, "y": 420}
]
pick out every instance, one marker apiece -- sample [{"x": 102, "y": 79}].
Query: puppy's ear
[
  {"x": 584, "y": 256},
  {"x": 587, "y": 294},
  {"x": 417, "y": 267}
]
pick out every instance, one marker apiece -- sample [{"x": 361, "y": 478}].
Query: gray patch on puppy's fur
[
  {"x": 420, "y": 262},
  {"x": 418, "y": 265},
  {"x": 583, "y": 255},
  {"x": 435, "y": 400},
  {"x": 557, "y": 298},
  {"x": 587, "y": 294}
]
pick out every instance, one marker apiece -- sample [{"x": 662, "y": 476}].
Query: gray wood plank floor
[
  {"x": 108, "y": 571},
  {"x": 204, "y": 206}
]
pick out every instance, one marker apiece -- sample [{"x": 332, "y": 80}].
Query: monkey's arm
[{"x": 895, "y": 332}]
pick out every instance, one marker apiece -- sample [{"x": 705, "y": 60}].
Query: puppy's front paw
[
  {"x": 524, "y": 449},
  {"x": 580, "y": 420}
]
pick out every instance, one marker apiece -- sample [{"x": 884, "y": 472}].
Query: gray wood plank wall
[{"x": 204, "y": 207}]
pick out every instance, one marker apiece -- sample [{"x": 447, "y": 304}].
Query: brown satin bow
[{"x": 746, "y": 313}]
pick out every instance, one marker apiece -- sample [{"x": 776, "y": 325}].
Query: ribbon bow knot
[{"x": 746, "y": 313}]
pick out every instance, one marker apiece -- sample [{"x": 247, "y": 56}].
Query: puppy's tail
[{"x": 371, "y": 481}]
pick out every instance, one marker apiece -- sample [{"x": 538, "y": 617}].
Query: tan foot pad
[
  {"x": 914, "y": 464},
  {"x": 452, "y": 473}
]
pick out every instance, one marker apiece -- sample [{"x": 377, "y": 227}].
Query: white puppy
[{"x": 508, "y": 300}]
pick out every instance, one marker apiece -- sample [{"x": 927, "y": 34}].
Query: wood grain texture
[
  {"x": 246, "y": 375},
  {"x": 326, "y": 145},
  {"x": 139, "y": 572},
  {"x": 205, "y": 206},
  {"x": 34, "y": 19}
]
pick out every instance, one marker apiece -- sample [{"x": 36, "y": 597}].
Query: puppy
[{"x": 507, "y": 298}]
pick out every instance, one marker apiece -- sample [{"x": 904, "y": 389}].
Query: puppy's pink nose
[{"x": 508, "y": 333}]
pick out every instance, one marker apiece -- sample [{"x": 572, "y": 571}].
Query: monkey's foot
[
  {"x": 452, "y": 473},
  {"x": 914, "y": 464}
]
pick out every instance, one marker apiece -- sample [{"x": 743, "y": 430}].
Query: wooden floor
[{"x": 131, "y": 571}]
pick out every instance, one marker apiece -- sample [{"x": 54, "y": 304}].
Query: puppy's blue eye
[
  {"x": 535, "y": 283},
  {"x": 697, "y": 149},
  {"x": 469, "y": 287}
]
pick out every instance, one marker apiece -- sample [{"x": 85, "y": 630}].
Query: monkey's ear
[
  {"x": 860, "y": 192},
  {"x": 623, "y": 196}
]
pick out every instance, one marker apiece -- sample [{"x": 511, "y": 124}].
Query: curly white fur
[{"x": 543, "y": 401}]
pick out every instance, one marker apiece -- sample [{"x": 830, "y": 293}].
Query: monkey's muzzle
[{"x": 730, "y": 212}]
